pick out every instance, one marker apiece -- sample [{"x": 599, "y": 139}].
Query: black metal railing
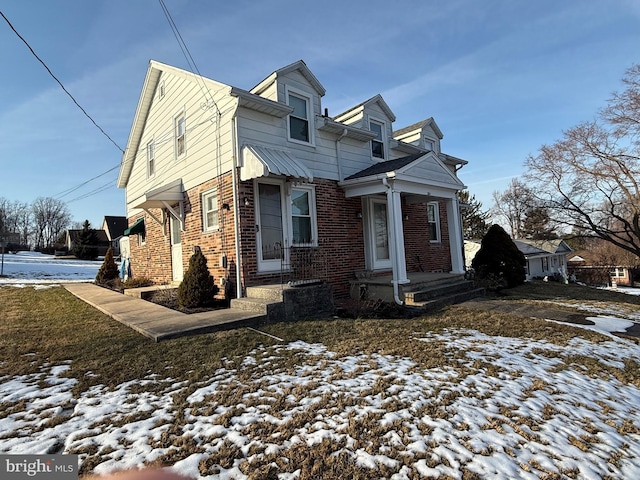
[{"x": 300, "y": 264}]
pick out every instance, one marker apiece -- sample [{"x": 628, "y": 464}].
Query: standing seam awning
[{"x": 261, "y": 161}]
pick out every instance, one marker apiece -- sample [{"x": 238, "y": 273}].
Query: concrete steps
[{"x": 429, "y": 297}]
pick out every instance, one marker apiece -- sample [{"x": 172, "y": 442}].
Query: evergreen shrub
[
  {"x": 198, "y": 287},
  {"x": 499, "y": 261},
  {"x": 108, "y": 271}
]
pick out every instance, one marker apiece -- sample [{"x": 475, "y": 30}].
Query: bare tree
[
  {"x": 512, "y": 206},
  {"x": 51, "y": 217},
  {"x": 588, "y": 180},
  {"x": 15, "y": 217}
]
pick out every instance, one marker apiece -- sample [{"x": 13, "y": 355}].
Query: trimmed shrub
[
  {"x": 499, "y": 261},
  {"x": 108, "y": 271},
  {"x": 198, "y": 287}
]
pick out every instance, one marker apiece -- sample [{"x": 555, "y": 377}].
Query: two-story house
[{"x": 252, "y": 176}]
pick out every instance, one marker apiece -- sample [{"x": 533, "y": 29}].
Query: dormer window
[
  {"x": 377, "y": 144},
  {"x": 299, "y": 118},
  {"x": 429, "y": 144}
]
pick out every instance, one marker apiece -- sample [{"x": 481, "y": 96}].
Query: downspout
[
  {"x": 394, "y": 254},
  {"x": 339, "y": 152},
  {"x": 236, "y": 200}
]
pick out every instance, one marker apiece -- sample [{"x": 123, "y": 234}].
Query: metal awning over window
[
  {"x": 258, "y": 161},
  {"x": 136, "y": 228}
]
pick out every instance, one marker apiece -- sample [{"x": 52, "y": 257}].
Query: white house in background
[{"x": 545, "y": 258}]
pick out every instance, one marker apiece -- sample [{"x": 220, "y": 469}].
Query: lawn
[{"x": 455, "y": 394}]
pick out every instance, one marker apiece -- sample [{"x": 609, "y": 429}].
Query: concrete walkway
[{"x": 155, "y": 321}]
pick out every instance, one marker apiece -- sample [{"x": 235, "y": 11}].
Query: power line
[
  {"x": 64, "y": 193},
  {"x": 59, "y": 82}
]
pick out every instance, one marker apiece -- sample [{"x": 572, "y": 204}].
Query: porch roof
[
  {"x": 161, "y": 196},
  {"x": 420, "y": 174},
  {"x": 259, "y": 161}
]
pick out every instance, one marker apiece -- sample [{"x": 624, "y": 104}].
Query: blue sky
[{"x": 501, "y": 77}]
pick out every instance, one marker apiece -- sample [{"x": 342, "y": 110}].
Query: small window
[
  {"x": 433, "y": 217},
  {"x": 151, "y": 159},
  {"x": 210, "y": 216},
  {"x": 429, "y": 144},
  {"x": 545, "y": 264},
  {"x": 299, "y": 118},
  {"x": 181, "y": 133},
  {"x": 377, "y": 144},
  {"x": 303, "y": 218}
]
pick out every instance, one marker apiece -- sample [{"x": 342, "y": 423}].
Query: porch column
[
  {"x": 455, "y": 235},
  {"x": 396, "y": 237}
]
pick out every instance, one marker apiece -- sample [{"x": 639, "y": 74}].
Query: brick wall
[{"x": 340, "y": 235}]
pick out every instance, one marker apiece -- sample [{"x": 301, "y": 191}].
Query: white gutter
[
  {"x": 394, "y": 250},
  {"x": 236, "y": 200}
]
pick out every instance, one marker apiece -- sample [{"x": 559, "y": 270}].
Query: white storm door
[
  {"x": 270, "y": 226},
  {"x": 378, "y": 233},
  {"x": 175, "y": 235}
]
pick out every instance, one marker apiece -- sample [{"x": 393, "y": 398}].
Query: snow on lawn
[
  {"x": 506, "y": 408},
  {"x": 37, "y": 268}
]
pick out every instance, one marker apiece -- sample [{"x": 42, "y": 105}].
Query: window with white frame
[
  {"x": 151, "y": 159},
  {"x": 181, "y": 135},
  {"x": 430, "y": 144},
  {"x": 210, "y": 214},
  {"x": 303, "y": 215},
  {"x": 433, "y": 218},
  {"x": 545, "y": 264},
  {"x": 299, "y": 118},
  {"x": 377, "y": 144}
]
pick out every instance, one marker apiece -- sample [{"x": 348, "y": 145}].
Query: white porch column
[
  {"x": 396, "y": 237},
  {"x": 455, "y": 235}
]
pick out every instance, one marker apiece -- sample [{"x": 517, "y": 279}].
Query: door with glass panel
[
  {"x": 378, "y": 234},
  {"x": 175, "y": 236},
  {"x": 270, "y": 226}
]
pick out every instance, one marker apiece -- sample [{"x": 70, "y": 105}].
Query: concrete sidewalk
[{"x": 155, "y": 321}]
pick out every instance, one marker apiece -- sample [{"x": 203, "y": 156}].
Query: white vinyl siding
[
  {"x": 210, "y": 214},
  {"x": 433, "y": 218}
]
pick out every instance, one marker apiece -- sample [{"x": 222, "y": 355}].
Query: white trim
[
  {"x": 311, "y": 191},
  {"x": 310, "y": 115},
  {"x": 373, "y": 262},
  {"x": 151, "y": 159},
  {"x": 436, "y": 221},
  {"x": 213, "y": 192},
  {"x": 382, "y": 140},
  {"x": 176, "y": 138}
]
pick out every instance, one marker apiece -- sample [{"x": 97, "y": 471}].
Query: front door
[
  {"x": 175, "y": 235},
  {"x": 378, "y": 234},
  {"x": 270, "y": 226}
]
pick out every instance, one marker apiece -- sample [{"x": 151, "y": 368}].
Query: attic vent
[{"x": 161, "y": 90}]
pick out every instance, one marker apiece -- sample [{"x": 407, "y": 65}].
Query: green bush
[
  {"x": 108, "y": 271},
  {"x": 198, "y": 287},
  {"x": 499, "y": 262}
]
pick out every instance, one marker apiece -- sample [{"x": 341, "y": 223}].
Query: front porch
[{"x": 424, "y": 289}]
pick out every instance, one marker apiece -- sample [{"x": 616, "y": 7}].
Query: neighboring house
[
  {"x": 587, "y": 270},
  {"x": 254, "y": 177},
  {"x": 73, "y": 236},
  {"x": 114, "y": 228},
  {"x": 545, "y": 258}
]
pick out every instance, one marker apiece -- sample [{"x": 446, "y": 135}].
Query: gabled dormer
[
  {"x": 424, "y": 134},
  {"x": 374, "y": 115},
  {"x": 296, "y": 86}
]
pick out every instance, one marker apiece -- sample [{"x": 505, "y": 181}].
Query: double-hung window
[
  {"x": 303, "y": 218},
  {"x": 377, "y": 144},
  {"x": 433, "y": 218},
  {"x": 299, "y": 118},
  {"x": 210, "y": 215},
  {"x": 151, "y": 159},
  {"x": 181, "y": 135}
]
